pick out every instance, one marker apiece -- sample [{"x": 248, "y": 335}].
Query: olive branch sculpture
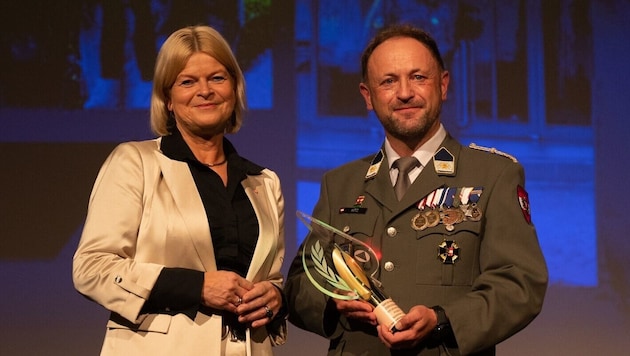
[{"x": 317, "y": 253}]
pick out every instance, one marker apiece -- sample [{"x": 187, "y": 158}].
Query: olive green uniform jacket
[{"x": 494, "y": 288}]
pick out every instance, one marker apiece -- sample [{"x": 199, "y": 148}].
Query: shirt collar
[
  {"x": 424, "y": 154},
  {"x": 174, "y": 147}
]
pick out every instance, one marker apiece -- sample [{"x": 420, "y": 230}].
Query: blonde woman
[{"x": 184, "y": 238}]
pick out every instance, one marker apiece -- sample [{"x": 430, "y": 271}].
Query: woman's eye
[
  {"x": 186, "y": 82},
  {"x": 218, "y": 79}
]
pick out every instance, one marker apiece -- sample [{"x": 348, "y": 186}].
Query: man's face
[{"x": 405, "y": 88}]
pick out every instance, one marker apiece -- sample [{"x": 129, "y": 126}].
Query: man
[{"x": 458, "y": 252}]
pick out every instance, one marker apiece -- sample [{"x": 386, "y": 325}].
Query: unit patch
[{"x": 523, "y": 201}]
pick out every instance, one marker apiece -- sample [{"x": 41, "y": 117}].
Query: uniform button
[
  {"x": 117, "y": 279},
  {"x": 389, "y": 266},
  {"x": 391, "y": 231},
  {"x": 346, "y": 229}
]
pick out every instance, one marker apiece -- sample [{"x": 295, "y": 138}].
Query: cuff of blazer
[{"x": 139, "y": 289}]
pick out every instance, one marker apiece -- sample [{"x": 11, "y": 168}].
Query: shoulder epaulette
[{"x": 492, "y": 150}]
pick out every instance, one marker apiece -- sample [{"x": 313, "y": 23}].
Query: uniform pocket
[{"x": 448, "y": 257}]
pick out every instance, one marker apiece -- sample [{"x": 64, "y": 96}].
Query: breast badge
[{"x": 448, "y": 252}]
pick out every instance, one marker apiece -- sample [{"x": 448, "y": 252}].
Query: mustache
[{"x": 409, "y": 106}]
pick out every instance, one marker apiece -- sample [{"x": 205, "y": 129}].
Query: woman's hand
[
  {"x": 224, "y": 290},
  {"x": 262, "y": 297}
]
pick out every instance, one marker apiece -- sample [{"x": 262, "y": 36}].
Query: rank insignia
[
  {"x": 523, "y": 201},
  {"x": 448, "y": 252},
  {"x": 375, "y": 165}
]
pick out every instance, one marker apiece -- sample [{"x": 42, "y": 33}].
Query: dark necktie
[{"x": 404, "y": 165}]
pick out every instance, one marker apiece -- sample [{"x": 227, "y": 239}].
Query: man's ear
[
  {"x": 444, "y": 83},
  {"x": 365, "y": 92}
]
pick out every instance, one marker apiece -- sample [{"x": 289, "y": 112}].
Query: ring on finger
[
  {"x": 239, "y": 301},
  {"x": 268, "y": 312}
]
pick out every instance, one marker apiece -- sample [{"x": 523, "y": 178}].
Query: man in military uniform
[{"x": 458, "y": 252}]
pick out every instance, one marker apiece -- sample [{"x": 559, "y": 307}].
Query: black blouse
[{"x": 232, "y": 220}]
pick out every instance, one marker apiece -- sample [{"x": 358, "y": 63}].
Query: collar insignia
[
  {"x": 375, "y": 165},
  {"x": 444, "y": 161}
]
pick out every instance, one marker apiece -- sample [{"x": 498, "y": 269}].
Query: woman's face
[{"x": 202, "y": 97}]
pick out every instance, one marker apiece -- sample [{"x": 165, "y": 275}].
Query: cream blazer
[{"x": 145, "y": 214}]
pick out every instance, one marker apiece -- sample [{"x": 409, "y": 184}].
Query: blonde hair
[{"x": 172, "y": 59}]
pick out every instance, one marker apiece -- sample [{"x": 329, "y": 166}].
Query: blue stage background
[{"x": 545, "y": 81}]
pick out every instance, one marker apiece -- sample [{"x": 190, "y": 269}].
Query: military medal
[
  {"x": 450, "y": 217},
  {"x": 448, "y": 252},
  {"x": 419, "y": 222},
  {"x": 473, "y": 212},
  {"x": 433, "y": 217},
  {"x": 449, "y": 206}
]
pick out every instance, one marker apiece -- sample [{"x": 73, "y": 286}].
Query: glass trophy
[{"x": 344, "y": 267}]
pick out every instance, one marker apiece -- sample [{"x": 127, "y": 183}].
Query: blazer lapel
[
  {"x": 259, "y": 197},
  {"x": 179, "y": 180}
]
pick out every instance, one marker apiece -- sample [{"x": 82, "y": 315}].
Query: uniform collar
[{"x": 424, "y": 154}]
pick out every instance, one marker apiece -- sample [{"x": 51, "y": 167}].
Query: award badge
[
  {"x": 329, "y": 259},
  {"x": 448, "y": 251},
  {"x": 470, "y": 197}
]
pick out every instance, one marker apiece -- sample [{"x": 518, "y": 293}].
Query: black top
[{"x": 233, "y": 226}]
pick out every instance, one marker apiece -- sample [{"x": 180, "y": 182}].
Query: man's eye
[{"x": 419, "y": 77}]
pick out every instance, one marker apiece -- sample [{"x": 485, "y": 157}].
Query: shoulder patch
[{"x": 492, "y": 150}]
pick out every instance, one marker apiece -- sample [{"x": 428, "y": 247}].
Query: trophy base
[{"x": 388, "y": 313}]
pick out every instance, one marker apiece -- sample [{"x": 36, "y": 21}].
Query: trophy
[{"x": 338, "y": 265}]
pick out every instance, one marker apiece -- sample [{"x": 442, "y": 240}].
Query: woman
[{"x": 184, "y": 239}]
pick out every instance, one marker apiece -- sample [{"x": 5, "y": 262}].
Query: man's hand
[
  {"x": 411, "y": 329},
  {"x": 356, "y": 309}
]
